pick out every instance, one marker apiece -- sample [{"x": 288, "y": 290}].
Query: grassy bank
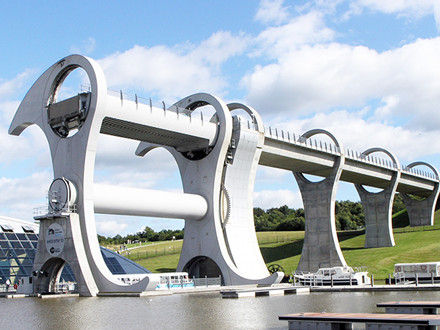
[
  {"x": 164, "y": 256},
  {"x": 413, "y": 244},
  {"x": 156, "y": 249},
  {"x": 420, "y": 244}
]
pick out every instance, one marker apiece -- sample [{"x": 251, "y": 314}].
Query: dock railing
[{"x": 207, "y": 281}]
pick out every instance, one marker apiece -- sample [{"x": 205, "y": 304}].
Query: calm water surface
[{"x": 197, "y": 311}]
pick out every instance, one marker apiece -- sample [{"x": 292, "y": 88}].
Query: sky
[{"x": 366, "y": 70}]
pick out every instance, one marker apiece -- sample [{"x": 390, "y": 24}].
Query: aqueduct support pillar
[
  {"x": 421, "y": 212},
  {"x": 378, "y": 208},
  {"x": 321, "y": 246}
]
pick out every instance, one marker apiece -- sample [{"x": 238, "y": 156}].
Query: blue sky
[{"x": 367, "y": 70}]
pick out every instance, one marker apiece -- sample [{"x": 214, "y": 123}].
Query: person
[{"x": 8, "y": 283}]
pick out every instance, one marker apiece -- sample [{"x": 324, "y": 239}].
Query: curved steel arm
[
  {"x": 421, "y": 163},
  {"x": 388, "y": 153},
  {"x": 317, "y": 131},
  {"x": 256, "y": 118}
]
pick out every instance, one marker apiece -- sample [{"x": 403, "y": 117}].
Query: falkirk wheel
[{"x": 217, "y": 159}]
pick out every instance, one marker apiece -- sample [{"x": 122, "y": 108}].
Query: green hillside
[{"x": 420, "y": 244}]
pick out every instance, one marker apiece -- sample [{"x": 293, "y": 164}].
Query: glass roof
[{"x": 18, "y": 248}]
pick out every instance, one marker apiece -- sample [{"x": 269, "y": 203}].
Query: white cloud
[
  {"x": 358, "y": 133},
  {"x": 19, "y": 196},
  {"x": 413, "y": 8},
  {"x": 275, "y": 198},
  {"x": 174, "y": 72},
  {"x": 31, "y": 144},
  {"x": 9, "y": 87},
  {"x": 402, "y": 8},
  {"x": 268, "y": 175},
  {"x": 302, "y": 30},
  {"x": 116, "y": 163},
  {"x": 324, "y": 76},
  {"x": 272, "y": 11},
  {"x": 159, "y": 70},
  {"x": 110, "y": 227},
  {"x": 390, "y": 104},
  {"x": 219, "y": 47}
]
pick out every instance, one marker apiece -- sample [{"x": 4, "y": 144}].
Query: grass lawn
[
  {"x": 265, "y": 237},
  {"x": 420, "y": 244},
  {"x": 154, "y": 249},
  {"x": 171, "y": 247},
  {"x": 161, "y": 264}
]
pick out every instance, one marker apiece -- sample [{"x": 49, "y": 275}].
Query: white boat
[
  {"x": 333, "y": 276},
  {"x": 425, "y": 272},
  {"x": 159, "y": 281},
  {"x": 178, "y": 280}
]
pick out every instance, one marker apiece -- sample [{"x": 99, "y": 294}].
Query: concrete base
[{"x": 49, "y": 265}]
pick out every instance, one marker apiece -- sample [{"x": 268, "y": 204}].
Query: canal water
[{"x": 195, "y": 311}]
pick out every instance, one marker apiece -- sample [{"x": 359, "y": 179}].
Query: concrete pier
[
  {"x": 421, "y": 212},
  {"x": 321, "y": 246},
  {"x": 378, "y": 208}
]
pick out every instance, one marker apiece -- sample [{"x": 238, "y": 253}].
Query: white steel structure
[{"x": 217, "y": 158}]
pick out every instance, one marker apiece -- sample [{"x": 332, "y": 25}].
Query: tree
[{"x": 149, "y": 233}]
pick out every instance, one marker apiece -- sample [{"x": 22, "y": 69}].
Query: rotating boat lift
[
  {"x": 220, "y": 238},
  {"x": 217, "y": 158}
]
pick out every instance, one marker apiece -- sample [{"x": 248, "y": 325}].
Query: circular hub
[{"x": 62, "y": 195}]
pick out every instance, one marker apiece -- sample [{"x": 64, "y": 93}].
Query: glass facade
[
  {"x": 17, "y": 252},
  {"x": 18, "y": 245}
]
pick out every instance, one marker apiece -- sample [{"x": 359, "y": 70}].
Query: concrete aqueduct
[{"x": 217, "y": 159}]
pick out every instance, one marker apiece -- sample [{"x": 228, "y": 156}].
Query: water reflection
[{"x": 197, "y": 311}]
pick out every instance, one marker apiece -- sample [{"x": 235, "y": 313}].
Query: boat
[
  {"x": 159, "y": 281},
  {"x": 178, "y": 280},
  {"x": 422, "y": 272},
  {"x": 333, "y": 276}
]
